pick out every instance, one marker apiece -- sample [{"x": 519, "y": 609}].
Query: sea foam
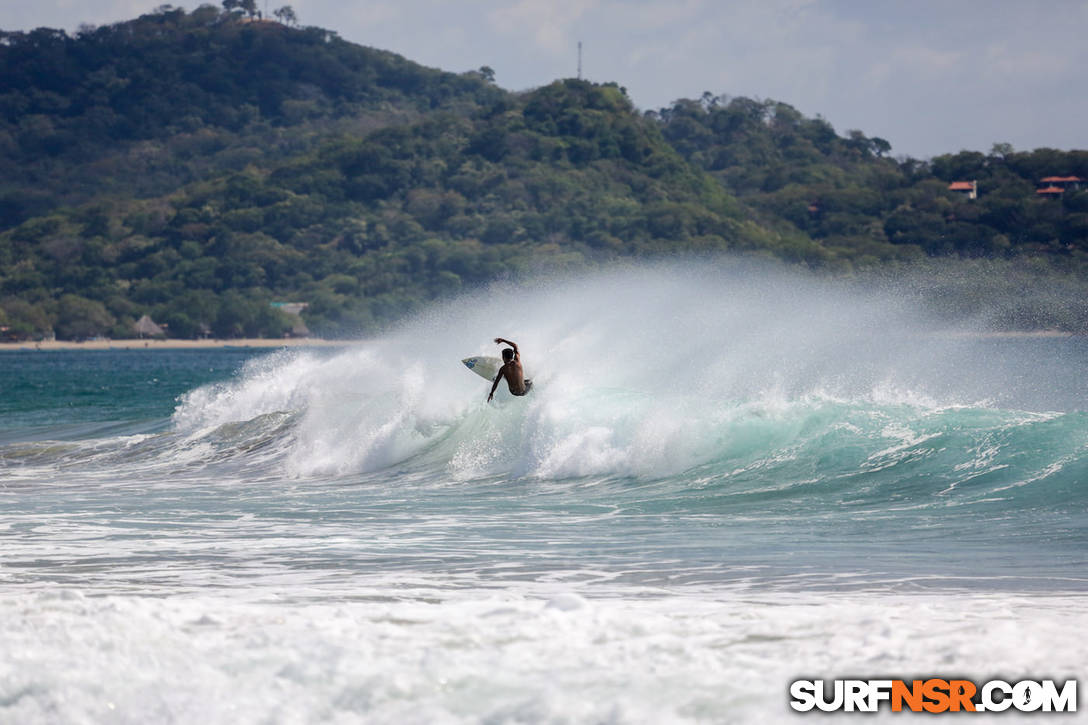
[{"x": 645, "y": 371}]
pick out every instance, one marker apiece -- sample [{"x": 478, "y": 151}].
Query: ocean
[{"x": 724, "y": 480}]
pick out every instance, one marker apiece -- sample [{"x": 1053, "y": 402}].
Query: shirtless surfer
[{"x": 511, "y": 370}]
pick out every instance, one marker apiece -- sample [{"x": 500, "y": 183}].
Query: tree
[
  {"x": 236, "y": 316},
  {"x": 880, "y": 146},
  {"x": 25, "y": 319},
  {"x": 1002, "y": 150},
  {"x": 286, "y": 15},
  {"x": 249, "y": 7},
  {"x": 961, "y": 166},
  {"x": 79, "y": 318},
  {"x": 857, "y": 140}
]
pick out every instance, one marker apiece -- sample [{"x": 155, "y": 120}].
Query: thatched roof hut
[{"x": 146, "y": 327}]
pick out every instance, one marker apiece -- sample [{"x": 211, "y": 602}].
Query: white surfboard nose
[{"x": 484, "y": 366}]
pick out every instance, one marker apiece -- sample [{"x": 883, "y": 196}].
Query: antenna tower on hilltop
[{"x": 579, "y": 60}]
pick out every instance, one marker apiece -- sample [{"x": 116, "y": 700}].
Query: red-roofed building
[
  {"x": 1065, "y": 183},
  {"x": 1052, "y": 191},
  {"x": 967, "y": 188}
]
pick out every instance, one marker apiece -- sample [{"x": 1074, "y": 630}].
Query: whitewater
[{"x": 727, "y": 477}]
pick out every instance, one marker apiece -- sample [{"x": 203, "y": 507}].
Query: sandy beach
[{"x": 171, "y": 344}]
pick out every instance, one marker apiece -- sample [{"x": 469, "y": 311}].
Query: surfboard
[
  {"x": 484, "y": 366},
  {"x": 488, "y": 367}
]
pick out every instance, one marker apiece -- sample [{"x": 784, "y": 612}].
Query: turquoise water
[
  {"x": 787, "y": 492},
  {"x": 719, "y": 488},
  {"x": 46, "y": 389}
]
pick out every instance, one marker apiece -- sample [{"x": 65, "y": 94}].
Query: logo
[{"x": 933, "y": 695}]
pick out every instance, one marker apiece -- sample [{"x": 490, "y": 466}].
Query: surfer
[{"x": 511, "y": 370}]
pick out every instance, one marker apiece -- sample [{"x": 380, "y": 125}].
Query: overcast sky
[{"x": 930, "y": 76}]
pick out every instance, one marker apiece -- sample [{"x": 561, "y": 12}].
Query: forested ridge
[{"x": 196, "y": 167}]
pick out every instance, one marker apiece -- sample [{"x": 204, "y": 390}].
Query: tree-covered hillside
[
  {"x": 198, "y": 166},
  {"x": 859, "y": 204},
  {"x": 143, "y": 107}
]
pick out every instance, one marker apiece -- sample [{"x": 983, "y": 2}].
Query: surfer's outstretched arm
[
  {"x": 495, "y": 385},
  {"x": 501, "y": 340}
]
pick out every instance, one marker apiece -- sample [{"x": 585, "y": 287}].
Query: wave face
[{"x": 748, "y": 382}]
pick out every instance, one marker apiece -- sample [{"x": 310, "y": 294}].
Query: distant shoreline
[
  {"x": 271, "y": 343},
  {"x": 170, "y": 344}
]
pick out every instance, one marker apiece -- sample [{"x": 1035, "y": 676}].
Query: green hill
[
  {"x": 862, "y": 206},
  {"x": 140, "y": 108},
  {"x": 199, "y": 166}
]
